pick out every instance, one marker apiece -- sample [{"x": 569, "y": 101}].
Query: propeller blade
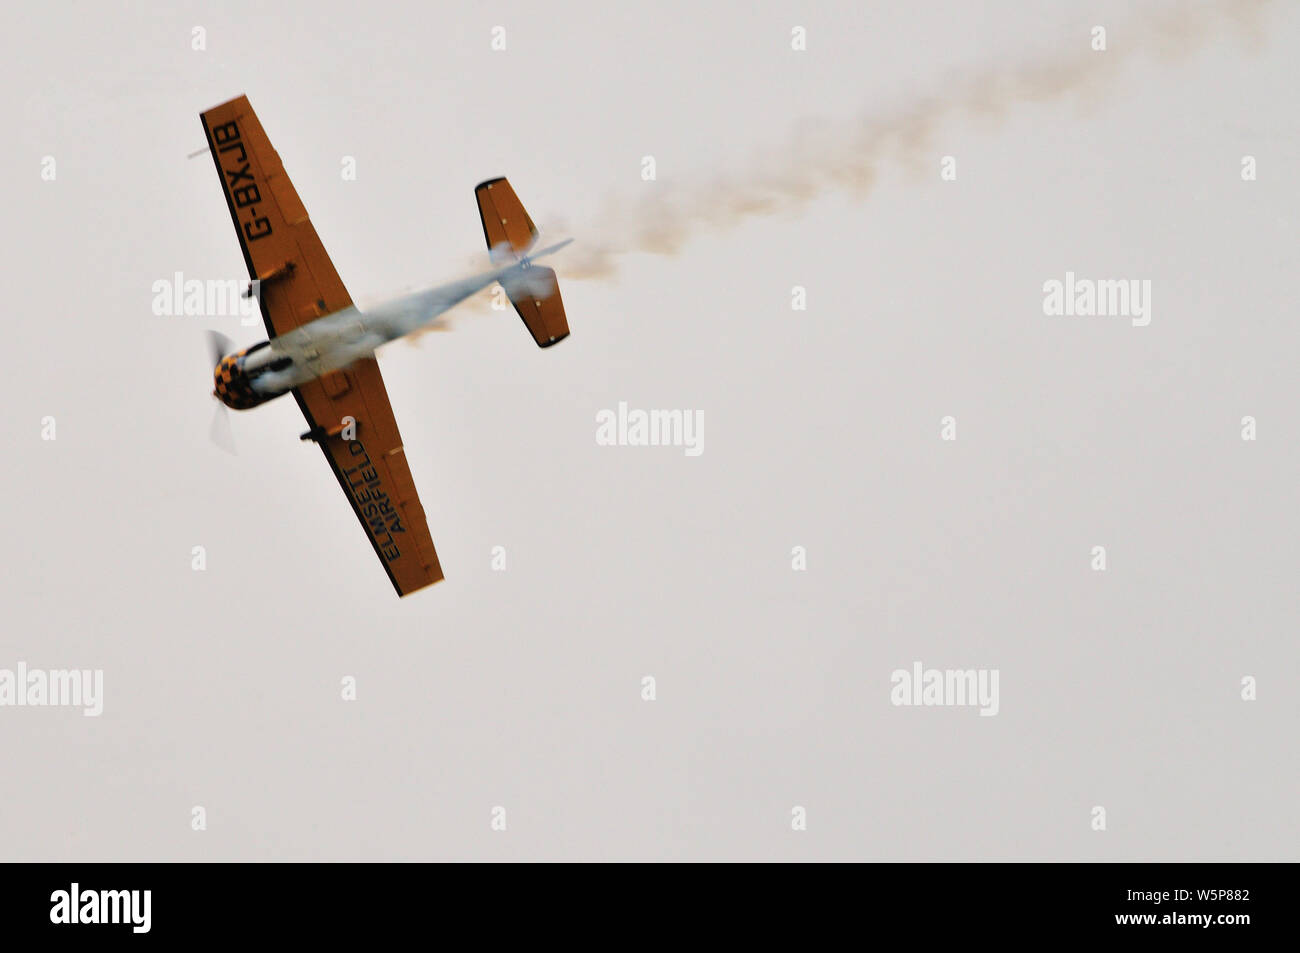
[
  {"x": 219, "y": 431},
  {"x": 219, "y": 346}
]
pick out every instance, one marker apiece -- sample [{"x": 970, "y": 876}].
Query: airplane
[{"x": 321, "y": 346}]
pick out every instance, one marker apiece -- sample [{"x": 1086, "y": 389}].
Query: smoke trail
[{"x": 819, "y": 158}]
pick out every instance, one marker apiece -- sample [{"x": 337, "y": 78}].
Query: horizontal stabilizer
[{"x": 533, "y": 289}]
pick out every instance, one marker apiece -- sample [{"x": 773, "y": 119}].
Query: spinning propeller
[{"x": 219, "y": 430}]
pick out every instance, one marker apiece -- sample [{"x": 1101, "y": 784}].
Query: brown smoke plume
[{"x": 847, "y": 157}]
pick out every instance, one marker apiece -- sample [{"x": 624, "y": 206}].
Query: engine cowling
[{"x": 233, "y": 382}]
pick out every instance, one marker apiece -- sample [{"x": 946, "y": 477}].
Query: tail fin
[{"x": 510, "y": 233}]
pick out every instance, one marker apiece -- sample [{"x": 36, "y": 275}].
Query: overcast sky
[{"x": 522, "y": 688}]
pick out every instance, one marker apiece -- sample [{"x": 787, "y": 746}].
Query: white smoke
[{"x": 848, "y": 157}]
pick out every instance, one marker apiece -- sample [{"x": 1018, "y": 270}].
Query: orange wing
[
  {"x": 372, "y": 470},
  {"x": 281, "y": 248},
  {"x": 299, "y": 284}
]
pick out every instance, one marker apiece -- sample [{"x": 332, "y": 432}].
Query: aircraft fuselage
[{"x": 266, "y": 370}]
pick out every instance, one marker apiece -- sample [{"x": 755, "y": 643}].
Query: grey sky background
[{"x": 522, "y": 688}]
